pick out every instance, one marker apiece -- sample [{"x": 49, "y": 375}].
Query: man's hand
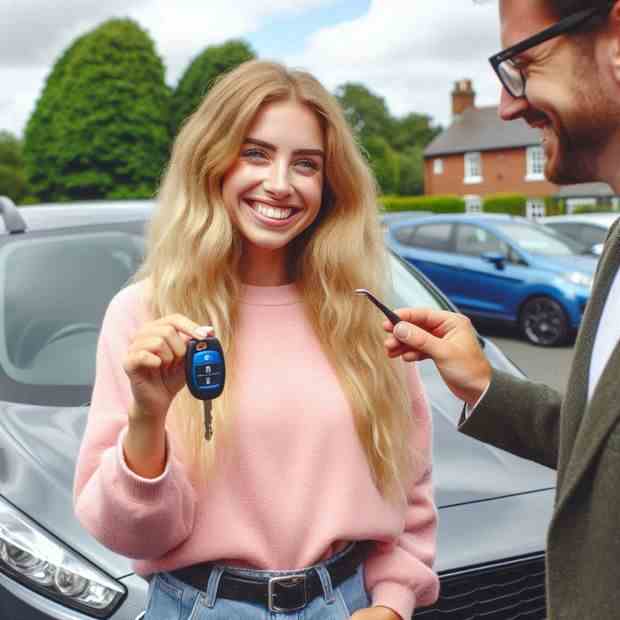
[
  {"x": 450, "y": 341},
  {"x": 376, "y": 613}
]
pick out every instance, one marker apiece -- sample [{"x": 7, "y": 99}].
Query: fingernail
[
  {"x": 203, "y": 331},
  {"x": 402, "y": 330}
]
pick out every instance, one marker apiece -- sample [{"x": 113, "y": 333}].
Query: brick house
[{"x": 480, "y": 154}]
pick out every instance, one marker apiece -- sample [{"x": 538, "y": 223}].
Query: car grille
[{"x": 506, "y": 591}]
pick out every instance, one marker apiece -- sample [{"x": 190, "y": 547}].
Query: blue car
[{"x": 503, "y": 268}]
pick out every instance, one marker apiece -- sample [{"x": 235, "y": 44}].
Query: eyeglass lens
[{"x": 512, "y": 78}]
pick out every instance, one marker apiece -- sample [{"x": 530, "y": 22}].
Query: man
[{"x": 561, "y": 73}]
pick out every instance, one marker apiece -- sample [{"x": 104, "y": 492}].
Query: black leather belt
[{"x": 285, "y": 593}]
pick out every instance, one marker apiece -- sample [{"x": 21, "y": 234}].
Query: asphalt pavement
[{"x": 549, "y": 365}]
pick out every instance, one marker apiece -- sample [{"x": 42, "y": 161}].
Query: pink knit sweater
[{"x": 293, "y": 485}]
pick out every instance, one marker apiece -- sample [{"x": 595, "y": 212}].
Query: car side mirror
[{"x": 499, "y": 260}]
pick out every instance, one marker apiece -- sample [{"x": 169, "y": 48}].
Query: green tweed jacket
[{"x": 581, "y": 440}]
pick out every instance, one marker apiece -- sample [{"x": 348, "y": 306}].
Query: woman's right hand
[{"x": 155, "y": 364}]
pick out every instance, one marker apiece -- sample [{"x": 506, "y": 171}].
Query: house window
[
  {"x": 535, "y": 164},
  {"x": 535, "y": 207},
  {"x": 473, "y": 168},
  {"x": 473, "y": 204},
  {"x": 438, "y": 166}
]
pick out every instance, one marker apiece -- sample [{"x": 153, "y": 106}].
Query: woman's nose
[{"x": 277, "y": 182}]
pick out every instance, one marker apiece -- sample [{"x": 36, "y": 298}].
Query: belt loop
[
  {"x": 326, "y": 582},
  {"x": 213, "y": 585}
]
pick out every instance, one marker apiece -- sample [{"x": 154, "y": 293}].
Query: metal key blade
[
  {"x": 207, "y": 405},
  {"x": 391, "y": 316}
]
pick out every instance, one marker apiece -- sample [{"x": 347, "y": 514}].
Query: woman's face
[{"x": 273, "y": 191}]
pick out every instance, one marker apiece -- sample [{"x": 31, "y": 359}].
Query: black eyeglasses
[{"x": 510, "y": 75}]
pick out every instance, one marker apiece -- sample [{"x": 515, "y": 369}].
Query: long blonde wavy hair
[{"x": 194, "y": 251}]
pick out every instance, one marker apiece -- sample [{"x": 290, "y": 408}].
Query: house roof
[{"x": 481, "y": 129}]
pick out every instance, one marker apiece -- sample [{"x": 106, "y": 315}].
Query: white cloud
[{"x": 410, "y": 53}]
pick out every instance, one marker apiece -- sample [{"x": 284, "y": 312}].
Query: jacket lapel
[{"x": 588, "y": 424}]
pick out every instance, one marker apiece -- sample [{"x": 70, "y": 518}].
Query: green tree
[
  {"x": 200, "y": 75},
  {"x": 12, "y": 177},
  {"x": 384, "y": 162},
  {"x": 366, "y": 112},
  {"x": 100, "y": 127},
  {"x": 413, "y": 130},
  {"x": 411, "y": 171}
]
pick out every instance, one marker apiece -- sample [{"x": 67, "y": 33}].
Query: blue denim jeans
[{"x": 172, "y": 599}]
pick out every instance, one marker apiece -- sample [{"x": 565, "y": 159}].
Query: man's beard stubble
[{"x": 583, "y": 135}]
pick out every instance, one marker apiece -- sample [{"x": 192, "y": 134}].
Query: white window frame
[
  {"x": 535, "y": 163},
  {"x": 473, "y": 167},
  {"x": 535, "y": 208},
  {"x": 438, "y": 166},
  {"x": 473, "y": 203}
]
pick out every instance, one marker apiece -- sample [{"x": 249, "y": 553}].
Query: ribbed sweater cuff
[
  {"x": 395, "y": 596},
  {"x": 137, "y": 488}
]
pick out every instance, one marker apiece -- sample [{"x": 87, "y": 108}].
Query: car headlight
[
  {"x": 31, "y": 556},
  {"x": 578, "y": 278}
]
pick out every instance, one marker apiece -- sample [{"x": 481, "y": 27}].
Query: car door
[
  {"x": 429, "y": 248},
  {"x": 485, "y": 288}
]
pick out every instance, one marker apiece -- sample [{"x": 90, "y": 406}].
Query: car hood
[
  {"x": 584, "y": 264},
  {"x": 466, "y": 470},
  {"x": 38, "y": 452},
  {"x": 39, "y": 448}
]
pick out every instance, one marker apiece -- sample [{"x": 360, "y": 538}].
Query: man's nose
[
  {"x": 277, "y": 182},
  {"x": 511, "y": 108}
]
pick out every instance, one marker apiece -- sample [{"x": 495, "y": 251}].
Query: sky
[{"x": 410, "y": 52}]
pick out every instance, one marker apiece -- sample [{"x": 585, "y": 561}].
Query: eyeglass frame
[{"x": 565, "y": 25}]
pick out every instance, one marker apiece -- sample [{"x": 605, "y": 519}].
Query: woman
[{"x": 314, "y": 492}]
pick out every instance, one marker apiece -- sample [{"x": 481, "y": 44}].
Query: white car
[{"x": 589, "y": 229}]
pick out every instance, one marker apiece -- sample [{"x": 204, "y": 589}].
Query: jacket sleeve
[
  {"x": 136, "y": 517},
  {"x": 400, "y": 575},
  {"x": 519, "y": 416}
]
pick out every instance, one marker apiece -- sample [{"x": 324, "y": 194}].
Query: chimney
[{"x": 463, "y": 97}]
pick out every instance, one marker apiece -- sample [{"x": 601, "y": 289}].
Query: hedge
[{"x": 436, "y": 204}]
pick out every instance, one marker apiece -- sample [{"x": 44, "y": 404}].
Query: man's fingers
[{"x": 419, "y": 340}]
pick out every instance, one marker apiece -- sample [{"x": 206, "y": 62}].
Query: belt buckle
[{"x": 287, "y": 581}]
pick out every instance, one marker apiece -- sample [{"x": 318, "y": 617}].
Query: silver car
[{"x": 59, "y": 268}]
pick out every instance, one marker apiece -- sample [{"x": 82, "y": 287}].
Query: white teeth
[{"x": 272, "y": 212}]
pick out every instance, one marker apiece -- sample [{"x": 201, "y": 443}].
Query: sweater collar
[{"x": 284, "y": 295}]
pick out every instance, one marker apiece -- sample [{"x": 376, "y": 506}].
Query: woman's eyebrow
[{"x": 271, "y": 147}]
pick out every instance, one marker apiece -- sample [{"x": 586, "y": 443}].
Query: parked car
[
  {"x": 398, "y": 216},
  {"x": 589, "y": 229},
  {"x": 502, "y": 268},
  {"x": 59, "y": 267}
]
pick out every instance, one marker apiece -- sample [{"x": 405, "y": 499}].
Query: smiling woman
[{"x": 266, "y": 224}]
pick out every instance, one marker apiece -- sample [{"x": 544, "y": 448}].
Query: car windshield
[
  {"x": 536, "y": 239},
  {"x": 55, "y": 287}
]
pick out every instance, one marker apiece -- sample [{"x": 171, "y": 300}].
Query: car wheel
[{"x": 543, "y": 322}]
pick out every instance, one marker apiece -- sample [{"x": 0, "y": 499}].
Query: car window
[
  {"x": 475, "y": 240},
  {"x": 591, "y": 235},
  {"x": 432, "y": 237},
  {"x": 403, "y": 234},
  {"x": 55, "y": 290},
  {"x": 537, "y": 239},
  {"x": 566, "y": 228},
  {"x": 409, "y": 289}
]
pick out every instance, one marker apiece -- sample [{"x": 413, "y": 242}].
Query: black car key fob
[{"x": 205, "y": 374}]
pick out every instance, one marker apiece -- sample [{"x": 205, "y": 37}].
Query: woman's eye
[
  {"x": 253, "y": 154},
  {"x": 307, "y": 163}
]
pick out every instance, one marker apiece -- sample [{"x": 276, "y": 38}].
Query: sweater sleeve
[
  {"x": 136, "y": 517},
  {"x": 400, "y": 575}
]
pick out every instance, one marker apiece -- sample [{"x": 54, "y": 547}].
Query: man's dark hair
[{"x": 565, "y": 7}]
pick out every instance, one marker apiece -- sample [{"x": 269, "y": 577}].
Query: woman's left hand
[{"x": 375, "y": 613}]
